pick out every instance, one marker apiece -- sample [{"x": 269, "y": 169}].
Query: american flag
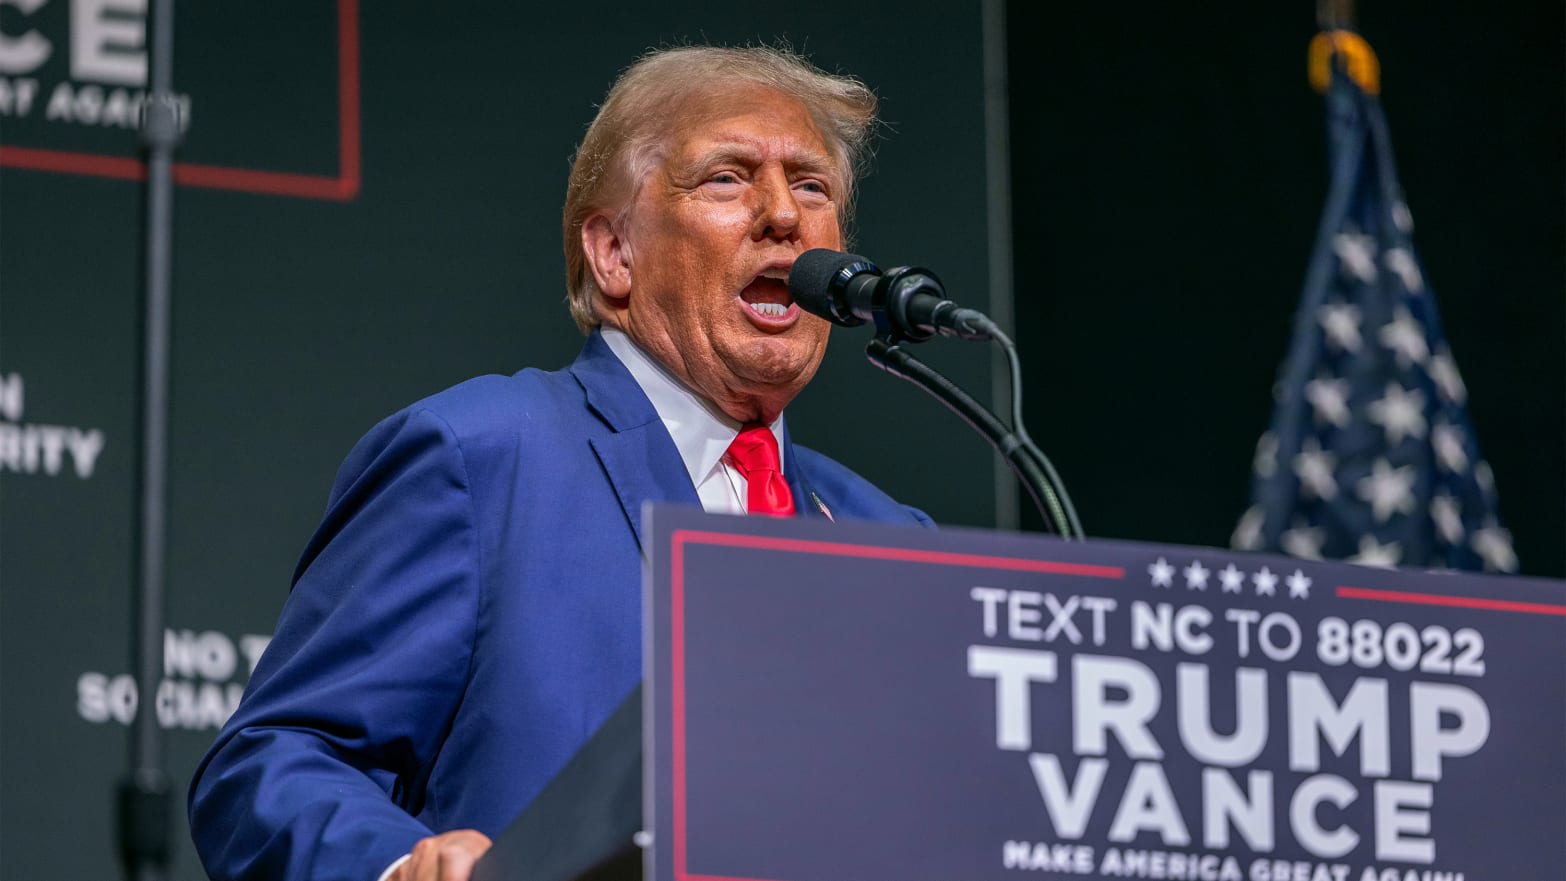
[{"x": 1370, "y": 456}]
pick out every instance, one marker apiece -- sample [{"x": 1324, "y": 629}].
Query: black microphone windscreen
[{"x": 814, "y": 276}]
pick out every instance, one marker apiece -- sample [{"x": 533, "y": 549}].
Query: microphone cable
[{"x": 1058, "y": 499}]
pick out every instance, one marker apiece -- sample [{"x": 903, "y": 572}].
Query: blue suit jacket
[{"x": 467, "y": 615}]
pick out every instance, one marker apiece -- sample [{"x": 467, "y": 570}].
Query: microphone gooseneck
[{"x": 908, "y": 304}]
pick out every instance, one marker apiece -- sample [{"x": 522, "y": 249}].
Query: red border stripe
[
  {"x": 677, "y": 696},
  {"x": 342, "y": 188},
  {"x": 1433, "y": 599},
  {"x": 909, "y": 555}
]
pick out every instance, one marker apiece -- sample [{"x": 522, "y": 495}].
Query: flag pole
[{"x": 1335, "y": 15}]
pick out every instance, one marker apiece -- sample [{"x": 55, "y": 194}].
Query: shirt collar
[{"x": 701, "y": 432}]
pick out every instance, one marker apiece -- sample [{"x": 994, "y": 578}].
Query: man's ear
[{"x": 608, "y": 256}]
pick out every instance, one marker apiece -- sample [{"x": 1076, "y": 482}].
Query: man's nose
[{"x": 777, "y": 214}]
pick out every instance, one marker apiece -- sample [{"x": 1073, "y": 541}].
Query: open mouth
[{"x": 767, "y": 299}]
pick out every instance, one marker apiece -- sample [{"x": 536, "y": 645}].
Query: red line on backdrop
[
  {"x": 1433, "y": 599},
  {"x": 341, "y": 188},
  {"x": 275, "y": 183},
  {"x": 72, "y": 163},
  {"x": 348, "y": 98},
  {"x": 682, "y": 537}
]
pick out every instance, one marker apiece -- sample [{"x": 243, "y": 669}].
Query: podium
[
  {"x": 849, "y": 701},
  {"x": 587, "y": 823}
]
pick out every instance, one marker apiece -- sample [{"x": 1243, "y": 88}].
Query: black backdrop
[
  {"x": 1167, "y": 177},
  {"x": 1169, "y": 171}
]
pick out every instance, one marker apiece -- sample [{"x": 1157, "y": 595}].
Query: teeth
[
  {"x": 778, "y": 273},
  {"x": 771, "y": 310}
]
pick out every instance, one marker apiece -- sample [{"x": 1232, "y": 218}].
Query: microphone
[{"x": 908, "y": 302}]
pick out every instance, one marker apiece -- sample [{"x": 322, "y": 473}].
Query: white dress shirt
[{"x": 701, "y": 432}]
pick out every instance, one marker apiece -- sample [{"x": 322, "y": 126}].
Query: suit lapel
[
  {"x": 642, "y": 471},
  {"x": 806, "y": 503},
  {"x": 638, "y": 456}
]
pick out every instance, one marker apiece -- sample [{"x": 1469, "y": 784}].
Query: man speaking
[{"x": 468, "y": 612}]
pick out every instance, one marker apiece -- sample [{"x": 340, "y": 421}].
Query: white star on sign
[
  {"x": 1400, "y": 413},
  {"x": 1388, "y": 489},
  {"x": 1358, "y": 253},
  {"x": 1448, "y": 517},
  {"x": 1196, "y": 576},
  {"x": 1329, "y": 399},
  {"x": 1405, "y": 338},
  {"x": 1313, "y": 466},
  {"x": 1373, "y": 553},
  {"x": 1402, "y": 262},
  {"x": 1303, "y": 541},
  {"x": 1299, "y": 585},
  {"x": 1494, "y": 544},
  {"x": 1162, "y": 573},
  {"x": 1341, "y": 322},
  {"x": 1447, "y": 439},
  {"x": 1443, "y": 369},
  {"x": 1231, "y": 579},
  {"x": 1247, "y": 533},
  {"x": 1265, "y": 581}
]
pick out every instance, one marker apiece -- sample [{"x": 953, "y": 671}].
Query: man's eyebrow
[
  {"x": 815, "y": 163},
  {"x": 807, "y": 161}
]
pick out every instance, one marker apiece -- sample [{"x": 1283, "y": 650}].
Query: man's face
[{"x": 743, "y": 189}]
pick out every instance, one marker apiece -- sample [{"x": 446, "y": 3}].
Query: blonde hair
[{"x": 623, "y": 143}]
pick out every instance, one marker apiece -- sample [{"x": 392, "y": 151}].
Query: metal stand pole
[
  {"x": 144, "y": 794},
  {"x": 1024, "y": 460}
]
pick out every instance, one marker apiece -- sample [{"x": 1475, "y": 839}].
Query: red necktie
[{"x": 754, "y": 454}]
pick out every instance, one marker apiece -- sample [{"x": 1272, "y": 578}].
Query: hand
[{"x": 448, "y": 856}]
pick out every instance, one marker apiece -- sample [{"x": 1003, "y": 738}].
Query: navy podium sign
[{"x": 848, "y": 701}]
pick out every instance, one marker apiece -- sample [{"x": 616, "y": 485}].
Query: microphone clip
[
  {"x": 900, "y": 303},
  {"x": 899, "y": 300}
]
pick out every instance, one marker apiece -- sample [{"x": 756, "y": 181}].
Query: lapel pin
[{"x": 821, "y": 506}]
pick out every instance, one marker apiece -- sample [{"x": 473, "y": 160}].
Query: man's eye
[
  {"x": 724, "y": 177},
  {"x": 813, "y": 186}
]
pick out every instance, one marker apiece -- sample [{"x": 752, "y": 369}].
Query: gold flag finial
[{"x": 1358, "y": 59}]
